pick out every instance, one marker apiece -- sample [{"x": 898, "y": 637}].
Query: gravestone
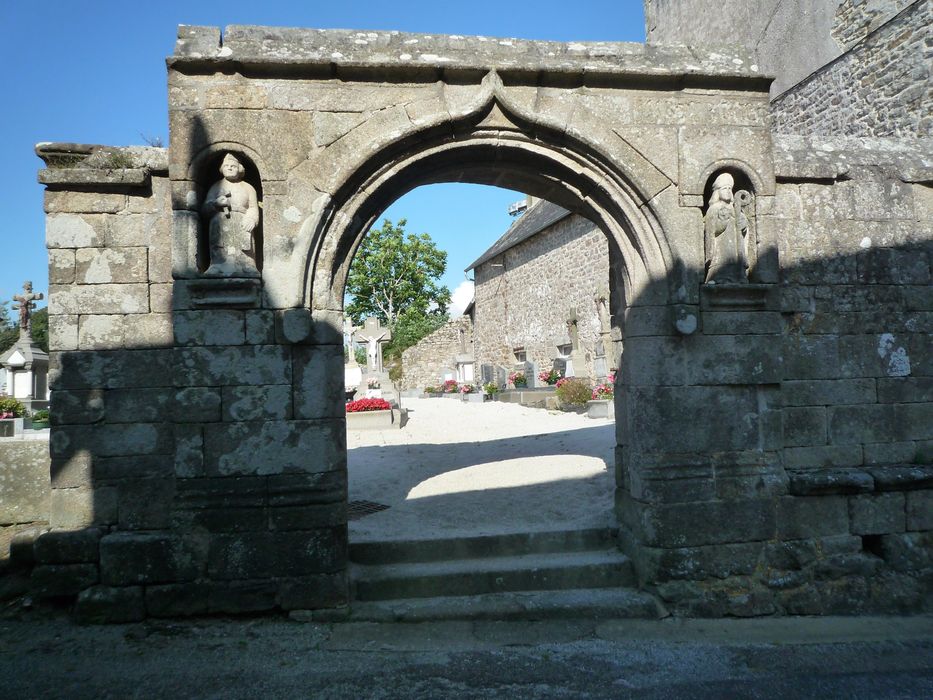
[
  {"x": 531, "y": 373},
  {"x": 487, "y": 373}
]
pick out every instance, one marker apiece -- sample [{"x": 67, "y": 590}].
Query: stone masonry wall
[
  {"x": 855, "y": 19},
  {"x": 166, "y": 496},
  {"x": 424, "y": 364},
  {"x": 883, "y": 86},
  {"x": 525, "y": 303},
  {"x": 851, "y": 506}
]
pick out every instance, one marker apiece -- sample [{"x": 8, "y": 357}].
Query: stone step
[
  {"x": 588, "y": 603},
  {"x": 469, "y": 577},
  {"x": 480, "y": 546}
]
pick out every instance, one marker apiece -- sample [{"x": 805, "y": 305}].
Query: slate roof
[{"x": 541, "y": 215}]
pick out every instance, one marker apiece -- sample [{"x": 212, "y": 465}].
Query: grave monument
[{"x": 26, "y": 364}]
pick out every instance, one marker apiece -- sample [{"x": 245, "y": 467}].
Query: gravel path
[{"x": 473, "y": 469}]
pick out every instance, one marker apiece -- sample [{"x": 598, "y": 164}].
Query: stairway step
[
  {"x": 602, "y": 603},
  {"x": 480, "y": 546},
  {"x": 469, "y": 577}
]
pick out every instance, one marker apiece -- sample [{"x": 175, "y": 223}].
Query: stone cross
[
  {"x": 349, "y": 330},
  {"x": 26, "y": 304},
  {"x": 375, "y": 336},
  {"x": 572, "y": 329}
]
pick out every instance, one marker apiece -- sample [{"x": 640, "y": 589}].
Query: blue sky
[{"x": 94, "y": 72}]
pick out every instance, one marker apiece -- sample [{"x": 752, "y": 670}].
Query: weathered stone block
[
  {"x": 263, "y": 555},
  {"x": 892, "y": 266},
  {"x": 72, "y": 471},
  {"x": 68, "y": 546},
  {"x": 294, "y": 326},
  {"x": 100, "y": 332},
  {"x": 822, "y": 482},
  {"x": 189, "y": 450},
  {"x": 65, "y": 202},
  {"x": 74, "y": 508},
  {"x": 250, "y": 403},
  {"x": 828, "y": 392},
  {"x": 823, "y": 456},
  {"x": 99, "y": 299},
  {"x": 884, "y": 453},
  {"x": 149, "y": 330},
  {"x": 177, "y": 599},
  {"x": 63, "y": 333},
  {"x": 61, "y": 266},
  {"x": 24, "y": 484},
  {"x": 111, "y": 469},
  {"x": 691, "y": 419},
  {"x": 697, "y": 563},
  {"x": 795, "y": 555},
  {"x": 224, "y": 493},
  {"x": 319, "y": 378},
  {"x": 877, "y": 514},
  {"x": 866, "y": 423},
  {"x": 111, "y": 265},
  {"x": 233, "y": 366},
  {"x": 145, "y": 504},
  {"x": 232, "y": 597},
  {"x": 307, "y": 489},
  {"x": 197, "y": 405},
  {"x": 815, "y": 516},
  {"x": 804, "y": 426},
  {"x": 52, "y": 581},
  {"x": 905, "y": 390},
  {"x": 313, "y": 592},
  {"x": 260, "y": 327},
  {"x": 308, "y": 517},
  {"x": 131, "y": 558},
  {"x": 73, "y": 231},
  {"x": 910, "y": 552},
  {"x": 214, "y": 327},
  {"x": 919, "y": 510},
  {"x": 697, "y": 524},
  {"x": 740, "y": 323},
  {"x": 273, "y": 447},
  {"x": 902, "y": 478},
  {"x": 107, "y": 605}
]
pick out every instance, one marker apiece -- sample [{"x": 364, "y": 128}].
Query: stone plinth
[{"x": 377, "y": 420}]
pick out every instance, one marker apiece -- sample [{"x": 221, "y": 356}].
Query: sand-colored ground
[{"x": 470, "y": 469}]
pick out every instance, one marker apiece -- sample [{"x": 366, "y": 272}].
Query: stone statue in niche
[
  {"x": 726, "y": 232},
  {"x": 231, "y": 209}
]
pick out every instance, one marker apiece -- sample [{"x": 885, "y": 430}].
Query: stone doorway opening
[{"x": 416, "y": 557}]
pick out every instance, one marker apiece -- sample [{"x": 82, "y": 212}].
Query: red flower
[{"x": 368, "y": 405}]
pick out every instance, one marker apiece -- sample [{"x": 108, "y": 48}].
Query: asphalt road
[{"x": 49, "y": 657}]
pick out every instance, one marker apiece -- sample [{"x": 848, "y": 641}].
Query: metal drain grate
[{"x": 360, "y": 509}]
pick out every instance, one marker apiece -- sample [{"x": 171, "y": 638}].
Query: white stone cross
[{"x": 375, "y": 336}]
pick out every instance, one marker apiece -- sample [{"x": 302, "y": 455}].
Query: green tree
[
  {"x": 394, "y": 272},
  {"x": 410, "y": 327},
  {"x": 39, "y": 327},
  {"x": 8, "y": 332}
]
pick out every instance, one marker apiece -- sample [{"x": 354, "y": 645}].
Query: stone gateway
[{"x": 768, "y": 460}]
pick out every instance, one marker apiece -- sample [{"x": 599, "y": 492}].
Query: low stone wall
[
  {"x": 425, "y": 363},
  {"x": 24, "y": 487}
]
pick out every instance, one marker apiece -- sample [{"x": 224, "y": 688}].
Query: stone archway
[{"x": 242, "y": 504}]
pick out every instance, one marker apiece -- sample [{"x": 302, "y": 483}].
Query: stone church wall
[
  {"x": 424, "y": 364},
  {"x": 883, "y": 86},
  {"x": 523, "y": 297}
]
